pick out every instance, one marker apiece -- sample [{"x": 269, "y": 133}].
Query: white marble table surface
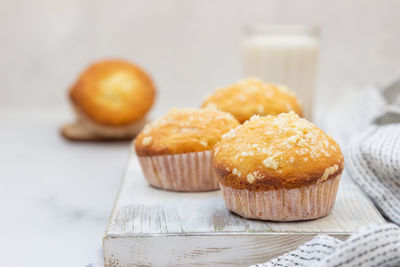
[{"x": 56, "y": 196}]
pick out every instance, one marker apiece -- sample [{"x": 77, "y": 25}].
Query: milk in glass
[{"x": 284, "y": 55}]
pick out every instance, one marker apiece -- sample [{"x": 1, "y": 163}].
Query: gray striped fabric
[
  {"x": 375, "y": 245},
  {"x": 374, "y": 163}
]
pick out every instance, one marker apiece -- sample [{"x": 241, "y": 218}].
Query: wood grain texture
[
  {"x": 79, "y": 133},
  {"x": 196, "y": 228}
]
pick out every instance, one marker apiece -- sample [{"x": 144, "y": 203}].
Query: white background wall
[{"x": 189, "y": 47}]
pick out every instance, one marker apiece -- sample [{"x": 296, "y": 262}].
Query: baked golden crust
[
  {"x": 273, "y": 152},
  {"x": 113, "y": 92},
  {"x": 252, "y": 96},
  {"x": 184, "y": 131}
]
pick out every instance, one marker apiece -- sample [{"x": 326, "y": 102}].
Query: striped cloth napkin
[
  {"x": 370, "y": 118},
  {"x": 371, "y": 246}
]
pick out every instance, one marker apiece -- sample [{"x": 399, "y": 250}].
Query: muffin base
[
  {"x": 188, "y": 172},
  {"x": 128, "y": 131},
  {"x": 297, "y": 204}
]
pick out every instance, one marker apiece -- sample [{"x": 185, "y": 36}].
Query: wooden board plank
[
  {"x": 200, "y": 250},
  {"x": 196, "y": 228}
]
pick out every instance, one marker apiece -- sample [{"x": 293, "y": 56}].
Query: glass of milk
[{"x": 284, "y": 55}]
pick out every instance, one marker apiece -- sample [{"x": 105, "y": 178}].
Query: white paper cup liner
[
  {"x": 181, "y": 172},
  {"x": 304, "y": 203}
]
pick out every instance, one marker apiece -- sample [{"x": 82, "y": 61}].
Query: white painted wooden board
[{"x": 152, "y": 227}]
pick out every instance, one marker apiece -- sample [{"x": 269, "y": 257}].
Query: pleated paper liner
[
  {"x": 188, "y": 172},
  {"x": 304, "y": 203}
]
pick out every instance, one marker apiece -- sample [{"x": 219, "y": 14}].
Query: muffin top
[
  {"x": 113, "y": 92},
  {"x": 252, "y": 96},
  {"x": 273, "y": 152},
  {"x": 184, "y": 130}
]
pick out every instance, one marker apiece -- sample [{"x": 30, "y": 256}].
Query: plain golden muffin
[
  {"x": 287, "y": 168},
  {"x": 281, "y": 151},
  {"x": 251, "y": 97},
  {"x": 184, "y": 130},
  {"x": 175, "y": 151},
  {"x": 113, "y": 93}
]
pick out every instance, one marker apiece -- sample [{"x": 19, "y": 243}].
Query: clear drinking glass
[{"x": 284, "y": 55}]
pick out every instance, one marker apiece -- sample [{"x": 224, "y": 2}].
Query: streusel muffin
[
  {"x": 111, "y": 99},
  {"x": 279, "y": 168},
  {"x": 253, "y": 97},
  {"x": 175, "y": 151}
]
